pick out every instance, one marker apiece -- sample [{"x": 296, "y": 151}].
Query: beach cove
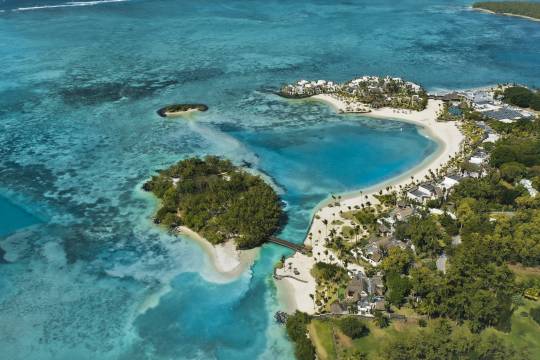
[{"x": 297, "y": 289}]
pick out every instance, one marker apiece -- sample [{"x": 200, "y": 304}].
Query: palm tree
[
  {"x": 332, "y": 233},
  {"x": 356, "y": 233}
]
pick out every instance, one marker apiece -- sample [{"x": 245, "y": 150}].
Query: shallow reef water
[{"x": 85, "y": 274}]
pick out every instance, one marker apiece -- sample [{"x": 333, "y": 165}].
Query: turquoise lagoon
[{"x": 79, "y": 86}]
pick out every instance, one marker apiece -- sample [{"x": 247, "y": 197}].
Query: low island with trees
[
  {"x": 525, "y": 9},
  {"x": 180, "y": 109},
  {"x": 218, "y": 200}
]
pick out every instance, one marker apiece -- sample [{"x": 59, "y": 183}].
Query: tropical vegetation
[
  {"x": 483, "y": 302},
  {"x": 217, "y": 200},
  {"x": 522, "y": 96}
]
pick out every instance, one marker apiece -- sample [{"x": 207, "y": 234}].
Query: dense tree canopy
[
  {"x": 397, "y": 288},
  {"x": 427, "y": 235},
  {"x": 476, "y": 287},
  {"x": 297, "y": 330},
  {"x": 444, "y": 342},
  {"x": 218, "y": 200},
  {"x": 520, "y": 96},
  {"x": 329, "y": 272},
  {"x": 516, "y": 149},
  {"x": 397, "y": 261}
]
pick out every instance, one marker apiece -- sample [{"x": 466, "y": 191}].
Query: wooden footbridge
[{"x": 288, "y": 244}]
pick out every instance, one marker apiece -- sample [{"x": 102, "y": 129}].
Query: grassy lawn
[
  {"x": 347, "y": 231},
  {"x": 321, "y": 335},
  {"x": 524, "y": 273},
  {"x": 525, "y": 333},
  {"x": 371, "y": 343}
]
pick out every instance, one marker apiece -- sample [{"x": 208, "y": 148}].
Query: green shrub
[
  {"x": 512, "y": 171},
  {"x": 353, "y": 327},
  {"x": 535, "y": 314}
]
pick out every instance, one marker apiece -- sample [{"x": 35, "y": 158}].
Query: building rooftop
[
  {"x": 403, "y": 213},
  {"x": 428, "y": 186},
  {"x": 417, "y": 193},
  {"x": 453, "y": 96},
  {"x": 455, "y": 177},
  {"x": 504, "y": 113},
  {"x": 338, "y": 308}
]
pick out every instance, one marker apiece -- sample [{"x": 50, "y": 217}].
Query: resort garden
[{"x": 470, "y": 286}]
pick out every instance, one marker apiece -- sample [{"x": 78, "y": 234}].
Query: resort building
[
  {"x": 504, "y": 114},
  {"x": 423, "y": 192},
  {"x": 479, "y": 157},
  {"x": 357, "y": 289},
  {"x": 364, "y": 92},
  {"x": 527, "y": 184},
  {"x": 450, "y": 181}
]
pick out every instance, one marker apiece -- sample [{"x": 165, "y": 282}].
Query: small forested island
[
  {"x": 180, "y": 109},
  {"x": 363, "y": 93},
  {"x": 217, "y": 200},
  {"x": 525, "y": 9}
]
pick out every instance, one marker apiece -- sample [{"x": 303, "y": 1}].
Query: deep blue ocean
[{"x": 85, "y": 274}]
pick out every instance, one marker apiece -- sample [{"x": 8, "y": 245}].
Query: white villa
[{"x": 527, "y": 184}]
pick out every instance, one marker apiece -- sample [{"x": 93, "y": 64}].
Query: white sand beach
[
  {"x": 449, "y": 137},
  {"x": 504, "y": 14},
  {"x": 225, "y": 258},
  {"x": 295, "y": 288}
]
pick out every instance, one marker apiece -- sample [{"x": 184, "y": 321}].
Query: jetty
[{"x": 288, "y": 244}]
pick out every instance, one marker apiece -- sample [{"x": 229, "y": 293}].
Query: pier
[{"x": 288, "y": 244}]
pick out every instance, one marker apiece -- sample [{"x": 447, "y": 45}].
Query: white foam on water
[
  {"x": 224, "y": 144},
  {"x": 153, "y": 299},
  {"x": 227, "y": 146},
  {"x": 68, "y": 4}
]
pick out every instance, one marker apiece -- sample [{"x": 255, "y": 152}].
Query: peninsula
[
  {"x": 180, "y": 109},
  {"x": 363, "y": 94},
  {"x": 218, "y": 204},
  {"x": 523, "y": 9}
]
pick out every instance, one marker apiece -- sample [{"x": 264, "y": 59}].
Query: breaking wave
[{"x": 68, "y": 4}]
